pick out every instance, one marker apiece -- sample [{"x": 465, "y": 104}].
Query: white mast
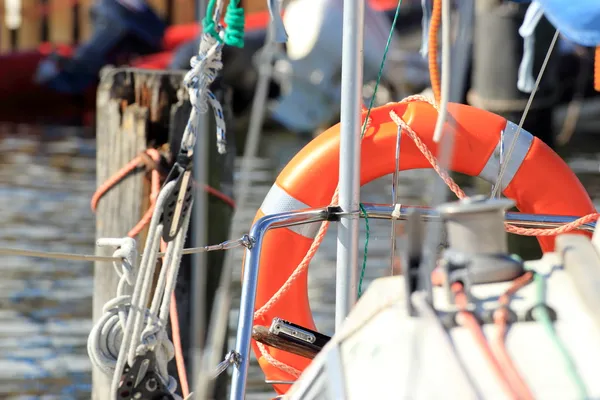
[{"x": 349, "y": 181}]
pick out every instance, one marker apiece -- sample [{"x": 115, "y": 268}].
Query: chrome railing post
[{"x": 250, "y": 284}]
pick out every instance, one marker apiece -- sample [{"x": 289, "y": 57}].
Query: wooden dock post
[
  {"x": 119, "y": 138},
  {"x": 135, "y": 111}
]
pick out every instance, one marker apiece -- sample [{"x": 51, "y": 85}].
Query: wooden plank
[
  {"x": 252, "y": 6},
  {"x": 30, "y": 33},
  {"x": 85, "y": 26},
  {"x": 4, "y": 38},
  {"x": 60, "y": 22},
  {"x": 184, "y": 12},
  {"x": 121, "y": 207},
  {"x": 5, "y": 42},
  {"x": 160, "y": 7}
]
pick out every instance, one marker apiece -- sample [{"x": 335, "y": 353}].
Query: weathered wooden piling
[
  {"x": 137, "y": 110},
  {"x": 121, "y": 135}
]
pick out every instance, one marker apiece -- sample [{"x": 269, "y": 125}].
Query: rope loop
[
  {"x": 209, "y": 25},
  {"x": 104, "y": 339},
  {"x": 235, "y": 21}
]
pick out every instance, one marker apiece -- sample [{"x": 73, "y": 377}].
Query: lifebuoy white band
[
  {"x": 279, "y": 201},
  {"x": 492, "y": 168}
]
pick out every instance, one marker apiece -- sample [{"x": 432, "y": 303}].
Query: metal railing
[{"x": 374, "y": 211}]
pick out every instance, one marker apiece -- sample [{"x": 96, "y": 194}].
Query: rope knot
[
  {"x": 127, "y": 252},
  {"x": 204, "y": 69}
]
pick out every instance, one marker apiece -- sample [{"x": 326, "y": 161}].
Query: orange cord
[
  {"x": 218, "y": 194},
  {"x": 176, "y": 335},
  {"x": 467, "y": 320},
  {"x": 131, "y": 166},
  {"x": 597, "y": 69},
  {"x": 503, "y": 359},
  {"x": 461, "y": 194},
  {"x": 432, "y": 50},
  {"x": 501, "y": 321}
]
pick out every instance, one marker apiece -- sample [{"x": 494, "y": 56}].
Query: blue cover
[{"x": 577, "y": 20}]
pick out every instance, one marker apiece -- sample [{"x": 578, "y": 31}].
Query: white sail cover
[{"x": 382, "y": 353}]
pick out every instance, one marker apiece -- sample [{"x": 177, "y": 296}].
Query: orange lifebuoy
[{"x": 536, "y": 178}]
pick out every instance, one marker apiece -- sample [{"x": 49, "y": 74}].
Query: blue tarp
[{"x": 577, "y": 20}]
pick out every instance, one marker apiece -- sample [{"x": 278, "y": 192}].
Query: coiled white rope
[
  {"x": 128, "y": 328},
  {"x": 104, "y": 339}
]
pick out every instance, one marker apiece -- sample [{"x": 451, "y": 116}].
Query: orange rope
[
  {"x": 467, "y": 320},
  {"x": 176, "y": 334},
  {"x": 461, "y": 194},
  {"x": 116, "y": 178},
  {"x": 434, "y": 75},
  {"x": 503, "y": 359},
  {"x": 597, "y": 69},
  {"x": 501, "y": 322},
  {"x": 131, "y": 166},
  {"x": 432, "y": 50},
  {"x": 217, "y": 193}
]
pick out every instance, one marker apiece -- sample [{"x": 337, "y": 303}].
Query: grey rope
[
  {"x": 56, "y": 256},
  {"x": 226, "y": 245}
]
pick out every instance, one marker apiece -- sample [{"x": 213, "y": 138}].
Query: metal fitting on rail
[{"x": 478, "y": 245}]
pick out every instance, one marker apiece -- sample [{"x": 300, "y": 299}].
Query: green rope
[
  {"x": 542, "y": 315},
  {"x": 364, "y": 128},
  {"x": 380, "y": 73},
  {"x": 208, "y": 23},
  {"x": 364, "y": 265},
  {"x": 234, "y": 18}
]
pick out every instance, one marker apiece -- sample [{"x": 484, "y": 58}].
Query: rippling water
[{"x": 47, "y": 177}]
